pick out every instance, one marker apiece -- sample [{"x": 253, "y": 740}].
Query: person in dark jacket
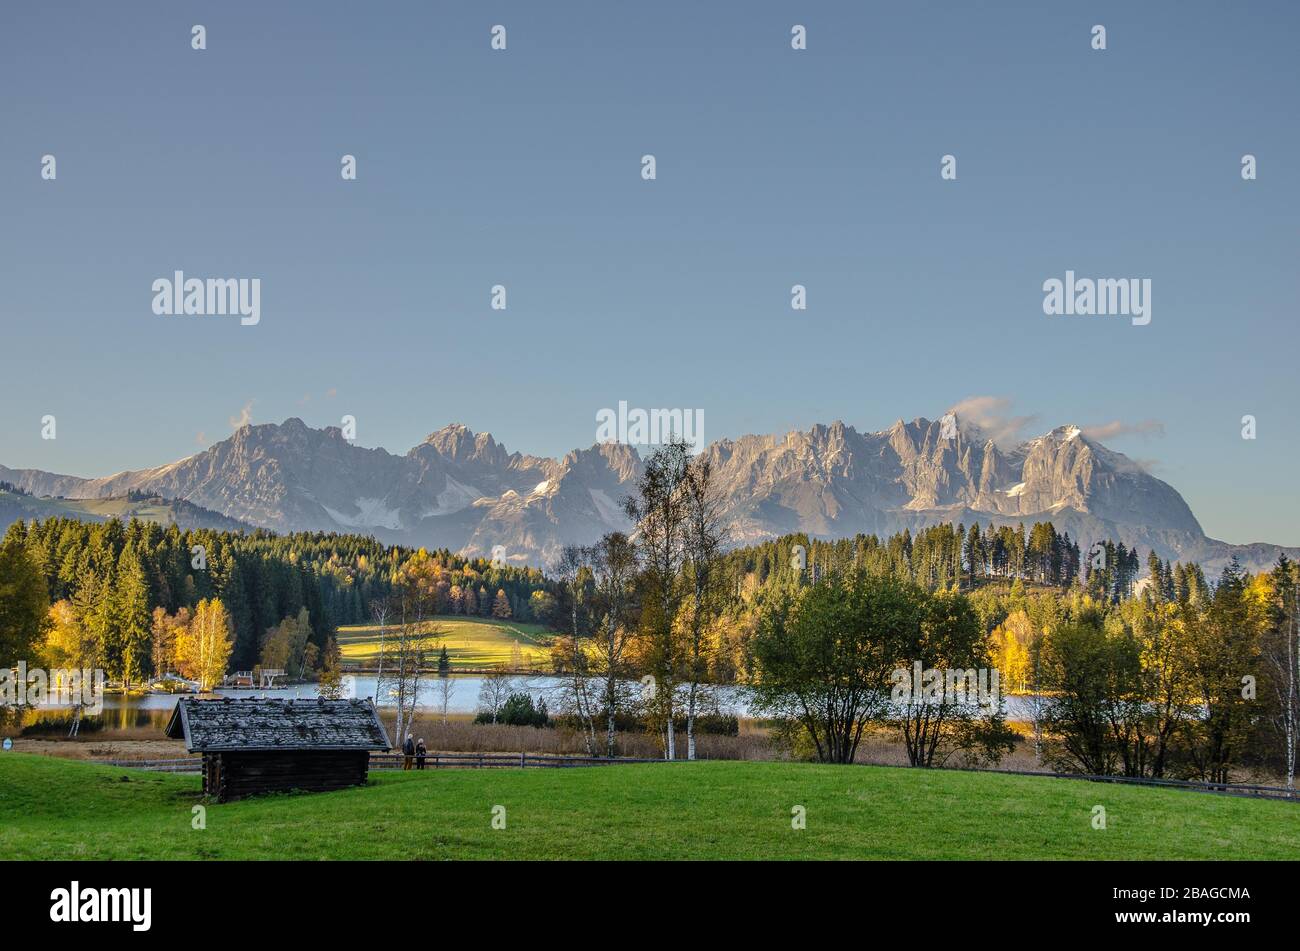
[
  {"x": 408, "y": 751},
  {"x": 420, "y": 752}
]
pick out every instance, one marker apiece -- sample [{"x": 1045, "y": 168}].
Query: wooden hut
[{"x": 253, "y": 746}]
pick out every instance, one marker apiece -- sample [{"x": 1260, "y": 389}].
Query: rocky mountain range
[{"x": 464, "y": 491}]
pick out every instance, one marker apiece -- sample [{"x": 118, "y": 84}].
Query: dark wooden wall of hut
[{"x": 235, "y": 775}]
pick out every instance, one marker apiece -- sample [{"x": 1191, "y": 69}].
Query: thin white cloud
[
  {"x": 991, "y": 414},
  {"x": 1146, "y": 428},
  {"x": 245, "y": 416}
]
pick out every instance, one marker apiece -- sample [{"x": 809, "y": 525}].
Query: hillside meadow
[{"x": 472, "y": 643}]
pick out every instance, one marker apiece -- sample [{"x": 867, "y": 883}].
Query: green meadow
[
  {"x": 53, "y": 808},
  {"x": 472, "y": 643}
]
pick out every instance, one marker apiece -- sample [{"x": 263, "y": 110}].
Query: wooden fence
[
  {"x": 517, "y": 760},
  {"x": 386, "y": 761}
]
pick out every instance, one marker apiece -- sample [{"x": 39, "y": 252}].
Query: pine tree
[
  {"x": 101, "y": 621},
  {"x": 1156, "y": 589},
  {"x": 975, "y": 551},
  {"x": 24, "y": 603},
  {"x": 131, "y": 615}
]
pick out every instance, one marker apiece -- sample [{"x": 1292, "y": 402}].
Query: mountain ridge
[{"x": 465, "y": 491}]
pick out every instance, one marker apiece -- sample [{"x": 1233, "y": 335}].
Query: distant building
[
  {"x": 256, "y": 746},
  {"x": 267, "y": 675}
]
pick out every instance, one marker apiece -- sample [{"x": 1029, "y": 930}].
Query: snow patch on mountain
[
  {"x": 371, "y": 513},
  {"x": 454, "y": 497}
]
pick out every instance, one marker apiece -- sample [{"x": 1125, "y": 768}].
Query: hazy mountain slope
[{"x": 186, "y": 515}]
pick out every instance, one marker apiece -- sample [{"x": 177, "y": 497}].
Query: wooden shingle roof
[{"x": 254, "y": 724}]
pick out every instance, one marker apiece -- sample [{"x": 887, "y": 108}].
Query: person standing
[
  {"x": 408, "y": 752},
  {"x": 420, "y": 752}
]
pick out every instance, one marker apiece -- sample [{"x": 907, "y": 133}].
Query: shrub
[{"x": 518, "y": 710}]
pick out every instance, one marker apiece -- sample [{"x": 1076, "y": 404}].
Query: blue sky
[{"x": 775, "y": 167}]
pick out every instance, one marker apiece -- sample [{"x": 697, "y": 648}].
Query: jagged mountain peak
[
  {"x": 459, "y": 444},
  {"x": 618, "y": 456},
  {"x": 449, "y": 435},
  {"x": 456, "y": 438},
  {"x": 1067, "y": 433}
]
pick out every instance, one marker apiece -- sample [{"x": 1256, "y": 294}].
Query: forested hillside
[
  {"x": 113, "y": 575},
  {"x": 17, "y": 504}
]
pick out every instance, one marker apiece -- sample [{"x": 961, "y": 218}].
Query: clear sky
[{"x": 775, "y": 167}]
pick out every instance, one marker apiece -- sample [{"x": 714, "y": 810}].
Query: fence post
[{"x": 522, "y": 763}]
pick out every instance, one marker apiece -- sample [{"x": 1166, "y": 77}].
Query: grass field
[
  {"x": 471, "y": 642},
  {"x": 51, "y": 808},
  {"x": 105, "y": 508}
]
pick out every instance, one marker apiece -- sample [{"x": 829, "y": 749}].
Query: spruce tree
[
  {"x": 132, "y": 618},
  {"x": 24, "y": 604}
]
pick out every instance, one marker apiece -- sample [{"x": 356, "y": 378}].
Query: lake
[{"x": 154, "y": 709}]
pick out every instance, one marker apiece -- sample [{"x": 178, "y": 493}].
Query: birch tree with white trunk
[
  {"x": 574, "y": 572},
  {"x": 410, "y": 649},
  {"x": 379, "y": 611},
  {"x": 495, "y": 690},
  {"x": 661, "y": 515},
  {"x": 614, "y": 573},
  {"x": 703, "y": 541}
]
